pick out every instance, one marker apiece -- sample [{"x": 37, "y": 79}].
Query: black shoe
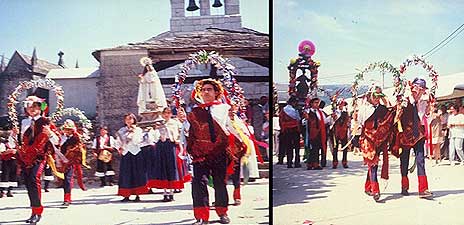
[
  {"x": 171, "y": 198},
  {"x": 200, "y": 222},
  {"x": 34, "y": 219},
  {"x": 334, "y": 167},
  {"x": 66, "y": 204},
  {"x": 426, "y": 194},
  {"x": 150, "y": 191},
  {"x": 251, "y": 180},
  {"x": 224, "y": 219},
  {"x": 376, "y": 197},
  {"x": 110, "y": 184},
  {"x": 345, "y": 166},
  {"x": 165, "y": 198},
  {"x": 46, "y": 190},
  {"x": 137, "y": 199},
  {"x": 2, "y": 194},
  {"x": 177, "y": 191},
  {"x": 405, "y": 192},
  {"x": 8, "y": 194},
  {"x": 30, "y": 219},
  {"x": 289, "y": 166},
  {"x": 125, "y": 199},
  {"x": 298, "y": 165},
  {"x": 317, "y": 168},
  {"x": 102, "y": 184}
]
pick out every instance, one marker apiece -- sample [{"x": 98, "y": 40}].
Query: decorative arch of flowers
[
  {"x": 26, "y": 85},
  {"x": 235, "y": 92},
  {"x": 417, "y": 60},
  {"x": 86, "y": 123},
  {"x": 384, "y": 67}
]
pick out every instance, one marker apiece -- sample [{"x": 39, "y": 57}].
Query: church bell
[
  {"x": 217, "y": 3},
  {"x": 192, "y": 6}
]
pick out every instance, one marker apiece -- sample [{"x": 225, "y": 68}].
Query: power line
[
  {"x": 444, "y": 44},
  {"x": 462, "y": 25}
]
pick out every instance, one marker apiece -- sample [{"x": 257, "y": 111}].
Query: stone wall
[
  {"x": 199, "y": 23},
  {"x": 118, "y": 86}
]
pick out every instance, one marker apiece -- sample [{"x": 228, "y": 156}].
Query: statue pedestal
[{"x": 148, "y": 119}]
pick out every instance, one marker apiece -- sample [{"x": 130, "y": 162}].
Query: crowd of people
[
  {"x": 209, "y": 145},
  {"x": 375, "y": 128}
]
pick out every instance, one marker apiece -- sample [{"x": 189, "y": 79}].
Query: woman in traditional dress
[
  {"x": 163, "y": 172},
  {"x": 132, "y": 174}
]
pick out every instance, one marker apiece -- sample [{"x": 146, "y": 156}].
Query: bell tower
[{"x": 182, "y": 22}]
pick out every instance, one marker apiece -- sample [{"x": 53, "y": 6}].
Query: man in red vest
[
  {"x": 289, "y": 120},
  {"x": 316, "y": 128}
]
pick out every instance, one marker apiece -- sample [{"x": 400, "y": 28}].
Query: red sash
[{"x": 323, "y": 132}]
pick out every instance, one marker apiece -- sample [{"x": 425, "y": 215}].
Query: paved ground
[
  {"x": 336, "y": 197},
  {"x": 100, "y": 206}
]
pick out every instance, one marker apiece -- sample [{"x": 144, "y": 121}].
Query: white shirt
[
  {"x": 456, "y": 131},
  {"x": 129, "y": 142},
  {"x": 102, "y": 142},
  {"x": 319, "y": 113}
]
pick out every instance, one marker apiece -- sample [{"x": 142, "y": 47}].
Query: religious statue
[{"x": 151, "y": 96}]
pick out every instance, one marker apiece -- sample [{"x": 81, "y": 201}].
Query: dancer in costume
[
  {"x": 411, "y": 134},
  {"x": 208, "y": 144},
  {"x": 37, "y": 139},
  {"x": 71, "y": 148},
  {"x": 376, "y": 125}
]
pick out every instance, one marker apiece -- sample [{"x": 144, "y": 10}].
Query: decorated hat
[
  {"x": 30, "y": 100},
  {"x": 69, "y": 124},
  {"x": 419, "y": 82},
  {"x": 196, "y": 92}
]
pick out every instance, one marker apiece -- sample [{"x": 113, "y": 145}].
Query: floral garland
[
  {"x": 304, "y": 63},
  {"x": 384, "y": 66},
  {"x": 86, "y": 124},
  {"x": 25, "y": 85},
  {"x": 415, "y": 60},
  {"x": 222, "y": 64}
]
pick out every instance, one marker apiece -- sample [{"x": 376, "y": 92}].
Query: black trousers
[
  {"x": 291, "y": 143},
  {"x": 33, "y": 185},
  {"x": 201, "y": 172},
  {"x": 315, "y": 151}
]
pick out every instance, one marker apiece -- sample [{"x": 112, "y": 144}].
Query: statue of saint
[{"x": 151, "y": 96}]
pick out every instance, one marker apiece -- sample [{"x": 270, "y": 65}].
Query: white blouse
[{"x": 129, "y": 141}]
